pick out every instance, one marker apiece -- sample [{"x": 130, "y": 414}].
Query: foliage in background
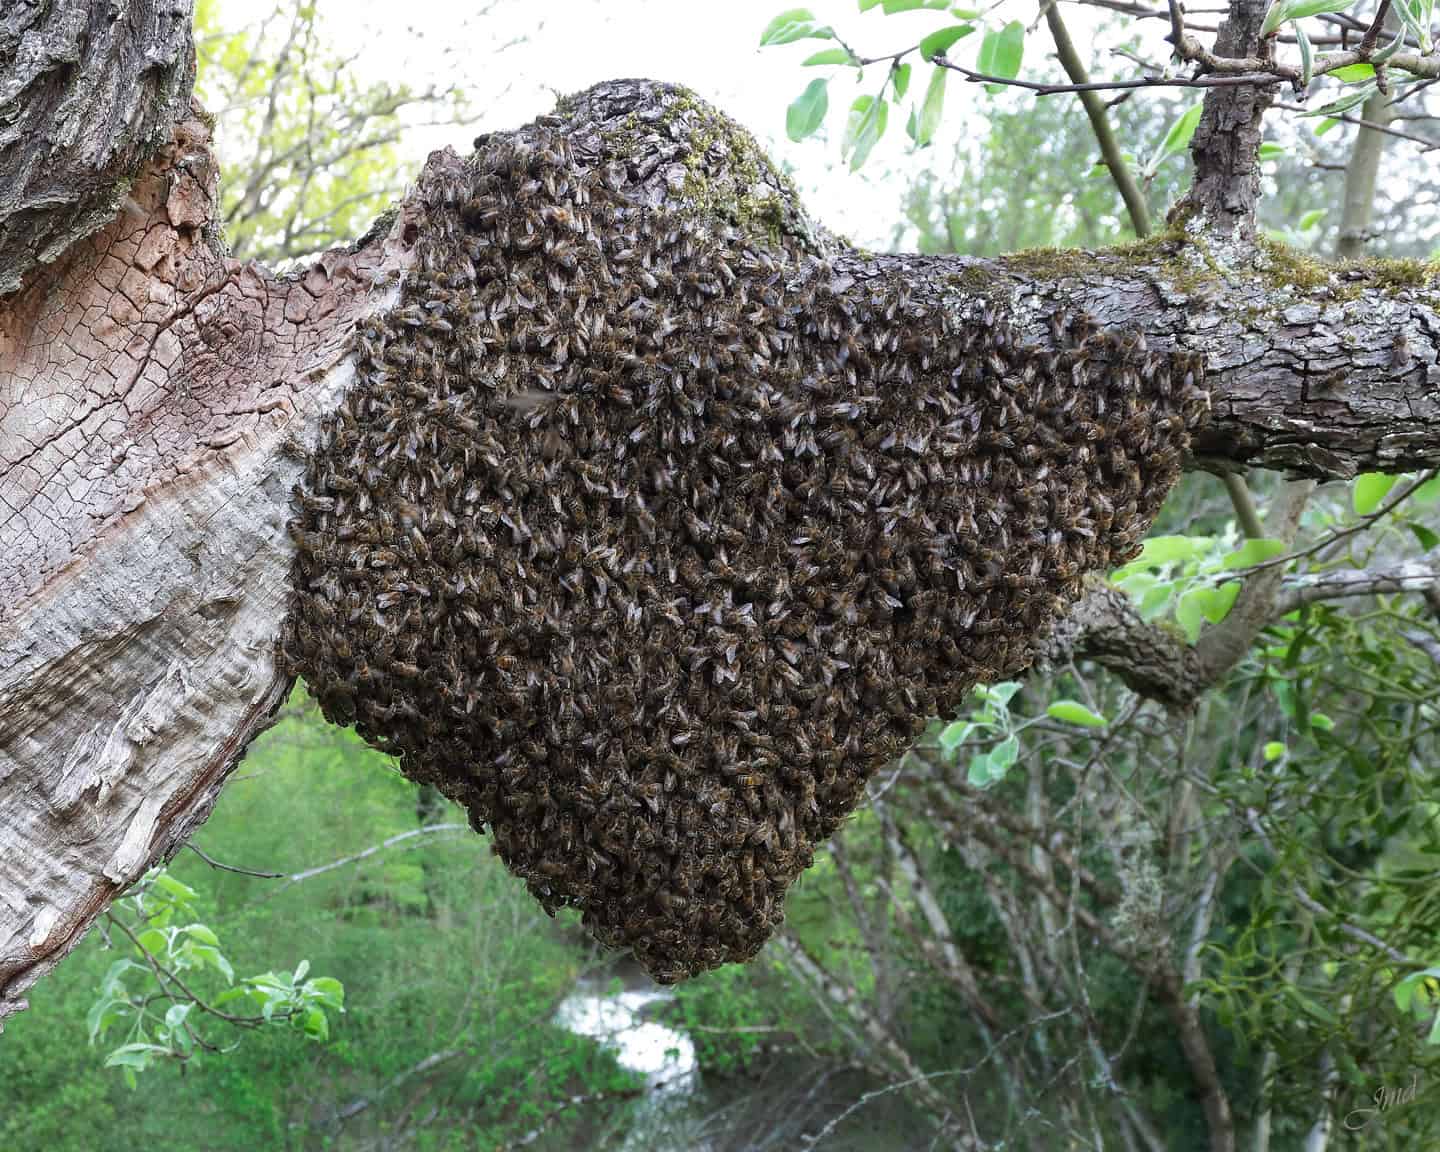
[
  {"x": 1278, "y": 843},
  {"x": 149, "y": 996},
  {"x": 309, "y": 152}
]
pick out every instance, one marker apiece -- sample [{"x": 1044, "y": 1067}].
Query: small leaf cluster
[
  {"x": 1177, "y": 575},
  {"x": 150, "y": 995},
  {"x": 868, "y": 116}
]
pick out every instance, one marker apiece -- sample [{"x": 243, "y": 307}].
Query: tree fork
[{"x": 152, "y": 392}]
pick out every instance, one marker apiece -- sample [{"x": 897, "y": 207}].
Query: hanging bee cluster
[{"x": 648, "y": 535}]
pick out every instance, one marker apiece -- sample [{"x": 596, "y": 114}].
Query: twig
[
  {"x": 1425, "y": 142},
  {"x": 1339, "y": 534},
  {"x": 428, "y": 829},
  {"x": 231, "y": 867}
]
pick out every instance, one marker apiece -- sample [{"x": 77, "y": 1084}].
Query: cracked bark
[{"x": 150, "y": 385}]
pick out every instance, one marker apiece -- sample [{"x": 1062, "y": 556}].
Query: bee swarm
[{"x": 654, "y": 523}]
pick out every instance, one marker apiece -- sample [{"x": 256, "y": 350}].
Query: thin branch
[
  {"x": 1223, "y": 81},
  {"x": 1426, "y": 143},
  {"x": 1110, "y": 149},
  {"x": 1338, "y": 534},
  {"x": 428, "y": 829},
  {"x": 231, "y": 867}
]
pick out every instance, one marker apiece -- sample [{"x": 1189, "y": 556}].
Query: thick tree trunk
[{"x": 152, "y": 392}]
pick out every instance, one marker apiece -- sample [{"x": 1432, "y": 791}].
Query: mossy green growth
[
  {"x": 1404, "y": 273},
  {"x": 748, "y": 190},
  {"x": 1079, "y": 264},
  {"x": 1290, "y": 268}
]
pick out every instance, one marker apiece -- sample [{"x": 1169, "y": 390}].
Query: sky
[{"x": 516, "y": 57}]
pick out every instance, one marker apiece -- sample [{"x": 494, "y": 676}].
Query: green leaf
[
  {"x": 1344, "y": 104},
  {"x": 1434, "y": 1036},
  {"x": 978, "y": 774},
  {"x": 1156, "y": 598},
  {"x": 1354, "y": 73},
  {"x": 1193, "y": 609},
  {"x": 1253, "y": 552},
  {"x": 1428, "y": 492},
  {"x": 173, "y": 887},
  {"x": 1073, "y": 712},
  {"x": 1160, "y": 550},
  {"x": 866, "y": 125},
  {"x": 1384, "y": 54},
  {"x": 135, "y": 1056},
  {"x": 1307, "y": 55},
  {"x": 1001, "y": 53},
  {"x": 153, "y": 941},
  {"x": 175, "y": 1016},
  {"x": 893, "y": 6},
  {"x": 327, "y": 990},
  {"x": 1003, "y": 755},
  {"x": 900, "y": 79},
  {"x": 931, "y": 109},
  {"x": 866, "y": 5},
  {"x": 807, "y": 113},
  {"x": 316, "y": 1024},
  {"x": 105, "y": 1012},
  {"x": 1416, "y": 16},
  {"x": 1285, "y": 10},
  {"x": 1321, "y": 721},
  {"x": 791, "y": 25},
  {"x": 942, "y": 41},
  {"x": 954, "y": 734},
  {"x": 202, "y": 933},
  {"x": 1325, "y": 126},
  {"x": 1177, "y": 139},
  {"x": 1274, "y": 750},
  {"x": 1404, "y": 992},
  {"x": 828, "y": 56},
  {"x": 1305, "y": 8},
  {"x": 1427, "y": 538},
  {"x": 300, "y": 970},
  {"x": 1311, "y": 218},
  {"x": 998, "y": 694},
  {"x": 1271, "y": 151},
  {"x": 1217, "y": 605},
  {"x": 216, "y": 959},
  {"x": 1370, "y": 491},
  {"x": 966, "y": 13}
]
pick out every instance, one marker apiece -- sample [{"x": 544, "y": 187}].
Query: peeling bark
[{"x": 149, "y": 387}]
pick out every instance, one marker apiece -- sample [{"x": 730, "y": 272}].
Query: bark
[
  {"x": 151, "y": 390},
  {"x": 87, "y": 92},
  {"x": 1226, "y": 145}
]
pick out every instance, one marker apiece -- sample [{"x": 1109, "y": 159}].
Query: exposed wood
[{"x": 147, "y": 389}]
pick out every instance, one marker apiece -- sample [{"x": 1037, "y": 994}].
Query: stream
[
  {"x": 663, "y": 1056},
  {"x": 770, "y": 1110}
]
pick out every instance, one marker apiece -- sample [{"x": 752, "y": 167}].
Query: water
[
  {"x": 660, "y": 1120},
  {"x": 665, "y": 1057},
  {"x": 771, "y": 1109}
]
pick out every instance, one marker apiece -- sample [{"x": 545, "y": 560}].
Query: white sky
[
  {"x": 709, "y": 45},
  {"x": 553, "y": 47}
]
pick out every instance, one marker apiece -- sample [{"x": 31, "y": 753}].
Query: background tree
[
  {"x": 309, "y": 152},
  {"x": 1228, "y": 884}
]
